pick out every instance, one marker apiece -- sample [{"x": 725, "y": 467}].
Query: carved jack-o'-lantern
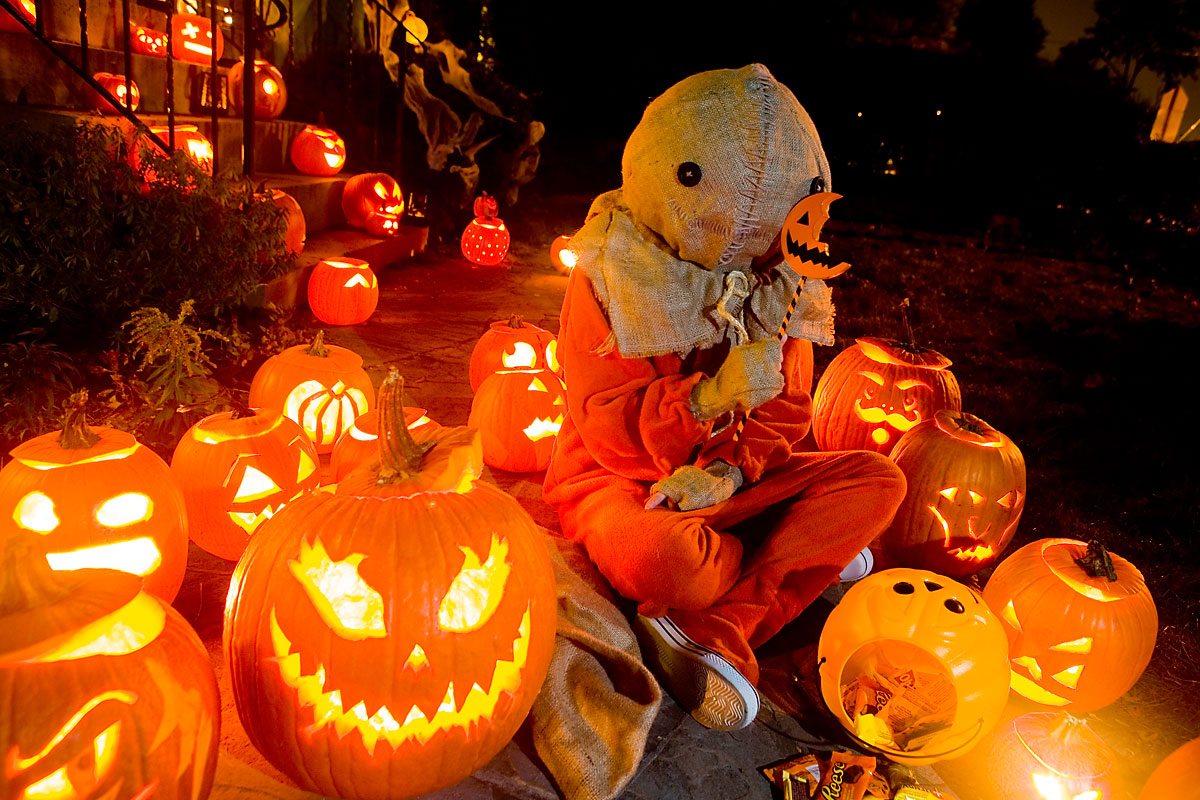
[
  {"x": 108, "y": 692},
  {"x": 190, "y": 140},
  {"x": 513, "y": 344},
  {"x": 28, "y": 11},
  {"x": 237, "y": 471},
  {"x": 876, "y": 390},
  {"x": 931, "y": 630},
  {"x": 485, "y": 240},
  {"x": 383, "y": 222},
  {"x": 270, "y": 93},
  {"x": 966, "y": 492},
  {"x": 801, "y": 242},
  {"x": 297, "y": 228},
  {"x": 114, "y": 85},
  {"x": 561, "y": 255},
  {"x": 318, "y": 151},
  {"x": 360, "y": 443},
  {"x": 343, "y": 291},
  {"x": 518, "y": 414},
  {"x": 147, "y": 41},
  {"x": 192, "y": 39},
  {"x": 1048, "y": 755},
  {"x": 322, "y": 387},
  {"x": 387, "y": 640},
  {"x": 98, "y": 498},
  {"x": 1081, "y": 623},
  {"x": 367, "y": 193}
]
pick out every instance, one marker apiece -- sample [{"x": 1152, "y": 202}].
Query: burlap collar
[{"x": 659, "y": 304}]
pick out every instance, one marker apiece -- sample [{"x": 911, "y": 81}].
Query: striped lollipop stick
[{"x": 779, "y": 334}]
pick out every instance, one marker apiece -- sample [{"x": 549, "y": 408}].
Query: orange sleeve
[
  {"x": 773, "y": 427},
  {"x": 633, "y": 414}
]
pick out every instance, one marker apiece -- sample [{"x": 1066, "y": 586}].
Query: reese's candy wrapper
[
  {"x": 846, "y": 776},
  {"x": 796, "y": 777}
]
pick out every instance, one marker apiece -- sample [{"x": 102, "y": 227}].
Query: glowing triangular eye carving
[
  {"x": 476, "y": 590},
  {"x": 1069, "y": 677},
  {"x": 1009, "y": 500},
  {"x": 949, "y": 493},
  {"x": 536, "y": 385},
  {"x": 255, "y": 485},
  {"x": 1082, "y": 645},
  {"x": 347, "y": 603}
]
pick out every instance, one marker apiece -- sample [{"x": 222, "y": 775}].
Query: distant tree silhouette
[
  {"x": 1132, "y": 36},
  {"x": 1001, "y": 32}
]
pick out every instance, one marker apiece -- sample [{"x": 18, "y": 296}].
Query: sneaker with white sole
[
  {"x": 859, "y": 568},
  {"x": 701, "y": 680}
]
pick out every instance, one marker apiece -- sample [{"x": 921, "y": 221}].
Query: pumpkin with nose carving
[{"x": 388, "y": 640}]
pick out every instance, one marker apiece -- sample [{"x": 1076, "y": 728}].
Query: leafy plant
[{"x": 34, "y": 377}]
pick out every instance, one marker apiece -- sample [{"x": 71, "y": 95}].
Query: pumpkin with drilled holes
[
  {"x": 367, "y": 193},
  {"x": 108, "y": 692},
  {"x": 237, "y": 470},
  {"x": 485, "y": 240},
  {"x": 1177, "y": 777},
  {"x": 966, "y": 492},
  {"x": 1051, "y": 754},
  {"x": 318, "y": 151},
  {"x": 322, "y": 387},
  {"x": 1081, "y": 623},
  {"x": 388, "y": 640},
  {"x": 875, "y": 391},
  {"x": 343, "y": 291},
  {"x": 512, "y": 344},
  {"x": 911, "y": 631},
  {"x": 98, "y": 498},
  {"x": 359, "y": 444},
  {"x": 518, "y": 414}
]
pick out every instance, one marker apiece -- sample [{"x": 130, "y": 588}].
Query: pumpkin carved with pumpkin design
[{"x": 388, "y": 640}]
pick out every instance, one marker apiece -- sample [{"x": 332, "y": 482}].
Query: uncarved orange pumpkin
[
  {"x": 513, "y": 344},
  {"x": 1178, "y": 776},
  {"x": 388, "y": 640},
  {"x": 518, "y": 414},
  {"x": 297, "y": 230}
]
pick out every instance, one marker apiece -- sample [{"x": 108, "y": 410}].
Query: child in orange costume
[{"x": 667, "y": 332}]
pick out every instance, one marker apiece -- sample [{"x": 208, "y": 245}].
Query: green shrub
[{"x": 85, "y": 240}]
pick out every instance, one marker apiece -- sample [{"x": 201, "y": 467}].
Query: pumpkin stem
[
  {"x": 399, "y": 454},
  {"x": 318, "y": 348},
  {"x": 910, "y": 341},
  {"x": 1097, "y": 562},
  {"x": 76, "y": 435},
  {"x": 516, "y": 321},
  {"x": 240, "y": 411},
  {"x": 968, "y": 424}
]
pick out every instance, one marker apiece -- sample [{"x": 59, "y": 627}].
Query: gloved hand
[
  {"x": 691, "y": 487},
  {"x": 749, "y": 377}
]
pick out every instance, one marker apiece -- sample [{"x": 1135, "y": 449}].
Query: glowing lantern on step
[
  {"x": 561, "y": 255},
  {"x": 913, "y": 630},
  {"x": 1047, "y": 755},
  {"x": 28, "y": 11},
  {"x": 297, "y": 229},
  {"x": 518, "y": 414},
  {"x": 318, "y": 151},
  {"x": 360, "y": 443},
  {"x": 237, "y": 471},
  {"x": 513, "y": 344},
  {"x": 192, "y": 39},
  {"x": 387, "y": 640},
  {"x": 383, "y": 222},
  {"x": 367, "y": 193},
  {"x": 1177, "y": 776},
  {"x": 485, "y": 241},
  {"x": 190, "y": 140},
  {"x": 1081, "y": 623},
  {"x": 322, "y": 387},
  {"x": 114, "y": 85},
  {"x": 876, "y": 390},
  {"x": 147, "y": 41},
  {"x": 343, "y": 291},
  {"x": 270, "y": 93},
  {"x": 966, "y": 492},
  {"x": 98, "y": 498},
  {"x": 108, "y": 692}
]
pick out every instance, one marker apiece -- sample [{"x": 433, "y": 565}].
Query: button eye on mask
[{"x": 689, "y": 173}]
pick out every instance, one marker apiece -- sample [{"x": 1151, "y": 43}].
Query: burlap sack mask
[{"x": 708, "y": 176}]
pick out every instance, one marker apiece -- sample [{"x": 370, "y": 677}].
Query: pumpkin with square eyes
[
  {"x": 875, "y": 391},
  {"x": 387, "y": 640},
  {"x": 966, "y": 492},
  {"x": 108, "y": 692},
  {"x": 1081, "y": 623},
  {"x": 98, "y": 498},
  {"x": 928, "y": 624},
  {"x": 518, "y": 414},
  {"x": 513, "y": 344},
  {"x": 237, "y": 469}
]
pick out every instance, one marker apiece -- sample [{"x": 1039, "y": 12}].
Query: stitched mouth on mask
[{"x": 457, "y": 709}]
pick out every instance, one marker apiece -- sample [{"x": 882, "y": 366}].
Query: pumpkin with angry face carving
[
  {"x": 388, "y": 640},
  {"x": 519, "y": 413}
]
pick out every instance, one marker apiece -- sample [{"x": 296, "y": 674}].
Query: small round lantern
[
  {"x": 388, "y": 640},
  {"x": 108, "y": 692},
  {"x": 360, "y": 443},
  {"x": 370, "y": 192},
  {"x": 343, "y": 291},
  {"x": 98, "y": 498},
  {"x": 114, "y": 85},
  {"x": 297, "y": 229},
  {"x": 1081, "y": 623},
  {"x": 322, "y": 387},
  {"x": 485, "y": 241},
  {"x": 878, "y": 389},
  {"x": 1047, "y": 755},
  {"x": 513, "y": 344},
  {"x": 1177, "y": 777},
  {"x": 237, "y": 470},
  {"x": 318, "y": 151},
  {"x": 518, "y": 414},
  {"x": 270, "y": 93},
  {"x": 966, "y": 492},
  {"x": 561, "y": 255},
  {"x": 908, "y": 640}
]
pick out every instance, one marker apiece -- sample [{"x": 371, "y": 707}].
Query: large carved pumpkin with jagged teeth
[{"x": 388, "y": 640}]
